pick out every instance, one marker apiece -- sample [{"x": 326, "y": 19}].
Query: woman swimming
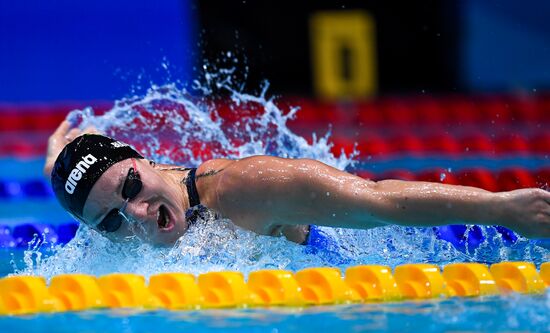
[{"x": 113, "y": 189}]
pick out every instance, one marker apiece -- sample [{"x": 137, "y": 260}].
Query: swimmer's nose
[{"x": 137, "y": 211}]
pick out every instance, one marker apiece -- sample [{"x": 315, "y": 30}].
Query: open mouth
[{"x": 163, "y": 218}]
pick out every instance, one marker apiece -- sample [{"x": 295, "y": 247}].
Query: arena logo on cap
[
  {"x": 76, "y": 173},
  {"x": 118, "y": 144}
]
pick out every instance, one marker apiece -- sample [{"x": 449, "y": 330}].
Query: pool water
[
  {"x": 486, "y": 314},
  {"x": 511, "y": 312},
  {"x": 157, "y": 125}
]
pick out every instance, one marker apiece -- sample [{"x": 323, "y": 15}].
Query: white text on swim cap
[
  {"x": 76, "y": 173},
  {"x": 118, "y": 144}
]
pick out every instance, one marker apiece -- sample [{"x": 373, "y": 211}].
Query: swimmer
[{"x": 110, "y": 187}]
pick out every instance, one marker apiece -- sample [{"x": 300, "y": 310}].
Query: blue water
[
  {"x": 167, "y": 124},
  {"x": 486, "y": 314},
  {"x": 512, "y": 312}
]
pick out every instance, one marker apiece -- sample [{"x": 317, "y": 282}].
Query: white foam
[{"x": 167, "y": 122}]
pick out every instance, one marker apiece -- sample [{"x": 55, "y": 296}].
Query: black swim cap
[{"x": 79, "y": 166}]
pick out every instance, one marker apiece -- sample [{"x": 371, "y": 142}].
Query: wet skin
[
  {"x": 164, "y": 185},
  {"x": 159, "y": 188},
  {"x": 278, "y": 196}
]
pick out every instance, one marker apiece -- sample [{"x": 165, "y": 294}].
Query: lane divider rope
[{"x": 21, "y": 295}]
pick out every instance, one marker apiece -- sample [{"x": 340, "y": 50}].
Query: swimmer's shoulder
[
  {"x": 207, "y": 178},
  {"x": 231, "y": 188},
  {"x": 214, "y": 165},
  {"x": 218, "y": 165},
  {"x": 223, "y": 174}
]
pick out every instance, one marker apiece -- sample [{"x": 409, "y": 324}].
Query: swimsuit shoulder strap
[{"x": 192, "y": 192}]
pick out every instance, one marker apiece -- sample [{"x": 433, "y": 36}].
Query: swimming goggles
[{"x": 132, "y": 186}]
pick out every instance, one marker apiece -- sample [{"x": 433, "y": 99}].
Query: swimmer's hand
[
  {"x": 62, "y": 136},
  {"x": 526, "y": 211}
]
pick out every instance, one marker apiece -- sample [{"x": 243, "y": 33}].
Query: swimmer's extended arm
[
  {"x": 61, "y": 137},
  {"x": 56, "y": 142},
  {"x": 302, "y": 191}
]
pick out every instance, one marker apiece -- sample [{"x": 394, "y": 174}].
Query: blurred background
[{"x": 447, "y": 91}]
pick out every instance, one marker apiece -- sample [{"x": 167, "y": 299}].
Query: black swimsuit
[
  {"x": 195, "y": 210},
  {"x": 192, "y": 192}
]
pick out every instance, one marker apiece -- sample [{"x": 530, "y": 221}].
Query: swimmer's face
[{"x": 155, "y": 214}]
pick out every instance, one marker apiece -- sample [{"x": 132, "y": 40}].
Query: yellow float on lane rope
[
  {"x": 275, "y": 287},
  {"x": 545, "y": 273},
  {"x": 225, "y": 289},
  {"x": 126, "y": 291},
  {"x": 324, "y": 285},
  {"x": 469, "y": 279},
  {"x": 176, "y": 290},
  {"x": 521, "y": 277},
  {"x": 419, "y": 280},
  {"x": 372, "y": 282},
  {"x": 77, "y": 291},
  {"x": 27, "y": 294}
]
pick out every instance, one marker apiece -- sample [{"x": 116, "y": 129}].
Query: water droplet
[{"x": 209, "y": 248}]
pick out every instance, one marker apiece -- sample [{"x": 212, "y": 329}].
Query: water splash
[{"x": 171, "y": 125}]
